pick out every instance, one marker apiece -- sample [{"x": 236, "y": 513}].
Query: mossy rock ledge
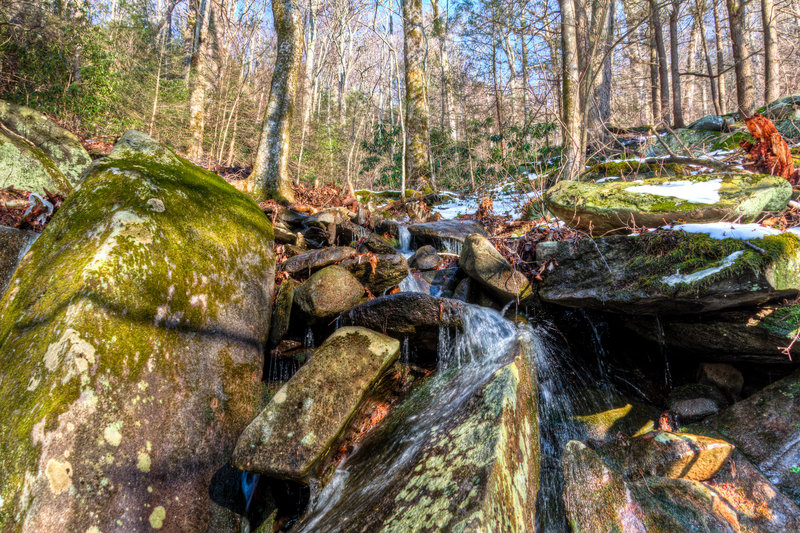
[
  {"x": 131, "y": 349},
  {"x": 473, "y": 467},
  {"x": 616, "y": 206},
  {"x": 14, "y": 243},
  {"x": 61, "y": 146},
  {"x": 25, "y": 166},
  {"x": 670, "y": 272},
  {"x": 699, "y": 140}
]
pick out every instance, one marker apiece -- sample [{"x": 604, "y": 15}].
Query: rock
[
  {"x": 709, "y": 123},
  {"x": 445, "y": 233},
  {"x": 316, "y": 259},
  {"x": 26, "y": 167},
  {"x": 389, "y": 271},
  {"x": 665, "y": 454},
  {"x": 632, "y": 169},
  {"x": 764, "y": 427},
  {"x": 316, "y": 237},
  {"x": 785, "y": 108},
  {"x": 377, "y": 245},
  {"x": 670, "y": 272},
  {"x": 59, "y": 145},
  {"x": 127, "y": 376},
  {"x": 326, "y": 217},
  {"x": 483, "y": 263},
  {"x": 426, "y": 258},
  {"x": 697, "y": 140},
  {"x": 790, "y": 129},
  {"x": 619, "y": 205},
  {"x": 408, "y": 314},
  {"x": 695, "y": 401},
  {"x": 14, "y": 244},
  {"x": 601, "y": 416},
  {"x": 283, "y": 235},
  {"x": 282, "y": 311},
  {"x": 301, "y": 425},
  {"x": 461, "y": 292},
  {"x": 349, "y": 233},
  {"x": 328, "y": 292},
  {"x": 473, "y": 466},
  {"x": 442, "y": 282},
  {"x": 724, "y": 377}
]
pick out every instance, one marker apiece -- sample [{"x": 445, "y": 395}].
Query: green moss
[
  {"x": 624, "y": 169},
  {"x": 731, "y": 141}
]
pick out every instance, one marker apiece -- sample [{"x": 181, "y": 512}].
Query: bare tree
[
  {"x": 677, "y": 99},
  {"x": 416, "y": 160},
  {"x": 771, "y": 71},
  {"x": 745, "y": 93}
]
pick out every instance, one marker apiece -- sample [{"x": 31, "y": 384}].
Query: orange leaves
[{"x": 770, "y": 154}]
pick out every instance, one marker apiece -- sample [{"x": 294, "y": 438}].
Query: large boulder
[
  {"x": 698, "y": 140},
  {"x": 483, "y": 263},
  {"x": 26, "y": 167},
  {"x": 300, "y": 426},
  {"x": 328, "y": 292},
  {"x": 59, "y": 145},
  {"x": 379, "y": 272},
  {"x": 445, "y": 234},
  {"x": 785, "y": 108},
  {"x": 14, "y": 244},
  {"x": 620, "y": 205},
  {"x": 670, "y": 272},
  {"x": 131, "y": 349},
  {"x": 446, "y": 459},
  {"x": 765, "y": 427},
  {"x": 709, "y": 123}
]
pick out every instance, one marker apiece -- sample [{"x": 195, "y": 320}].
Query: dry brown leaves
[
  {"x": 770, "y": 154},
  {"x": 14, "y": 203},
  {"x": 327, "y": 195}
]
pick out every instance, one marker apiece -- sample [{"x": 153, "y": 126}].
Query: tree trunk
[
  {"x": 745, "y": 93},
  {"x": 713, "y": 82},
  {"x": 655, "y": 88},
  {"x": 720, "y": 59},
  {"x": 661, "y": 54},
  {"x": 270, "y": 176},
  {"x": 440, "y": 26},
  {"x": 416, "y": 117},
  {"x": 677, "y": 100},
  {"x": 572, "y": 157},
  {"x": 771, "y": 72},
  {"x": 199, "y": 82},
  {"x": 600, "y": 111},
  {"x": 308, "y": 80}
]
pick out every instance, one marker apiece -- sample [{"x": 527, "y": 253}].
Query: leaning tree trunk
[
  {"x": 771, "y": 72},
  {"x": 270, "y": 176},
  {"x": 677, "y": 99},
  {"x": 745, "y": 93},
  {"x": 416, "y": 160},
  {"x": 572, "y": 156}
]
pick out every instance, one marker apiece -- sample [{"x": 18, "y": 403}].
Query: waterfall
[
  {"x": 404, "y": 239},
  {"x": 413, "y": 284}
]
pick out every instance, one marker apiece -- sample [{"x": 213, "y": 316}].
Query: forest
[{"x": 330, "y": 266}]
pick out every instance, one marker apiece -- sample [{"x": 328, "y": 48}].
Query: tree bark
[
  {"x": 572, "y": 156},
  {"x": 416, "y": 117},
  {"x": 199, "y": 81},
  {"x": 771, "y": 72},
  {"x": 720, "y": 58},
  {"x": 655, "y": 88},
  {"x": 677, "y": 99},
  {"x": 270, "y": 176},
  {"x": 661, "y": 54},
  {"x": 745, "y": 93},
  {"x": 440, "y": 26}
]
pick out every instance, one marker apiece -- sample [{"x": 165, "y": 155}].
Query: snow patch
[
  {"x": 676, "y": 278},
  {"x": 702, "y": 192},
  {"x": 727, "y": 230}
]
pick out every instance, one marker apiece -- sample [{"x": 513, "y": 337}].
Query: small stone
[
  {"x": 694, "y": 402},
  {"x": 426, "y": 258},
  {"x": 723, "y": 376}
]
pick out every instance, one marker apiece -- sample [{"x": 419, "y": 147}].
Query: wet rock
[
  {"x": 442, "y": 282},
  {"x": 601, "y": 416},
  {"x": 764, "y": 427},
  {"x": 282, "y": 311},
  {"x": 664, "y": 273},
  {"x": 377, "y": 245},
  {"x": 326, "y": 217},
  {"x": 665, "y": 454},
  {"x": 14, "y": 244},
  {"x": 127, "y": 377},
  {"x": 301, "y": 424},
  {"x": 316, "y": 237},
  {"x": 328, "y": 292},
  {"x": 445, "y": 233},
  {"x": 316, "y": 259},
  {"x": 695, "y": 401},
  {"x": 724, "y": 377},
  {"x": 709, "y": 123},
  {"x": 619, "y": 205},
  {"x": 25, "y": 166},
  {"x": 483, "y": 263},
  {"x": 426, "y": 258},
  {"x": 57, "y": 144},
  {"x": 349, "y": 233},
  {"x": 389, "y": 271},
  {"x": 407, "y": 314},
  {"x": 475, "y": 468},
  {"x": 461, "y": 292}
]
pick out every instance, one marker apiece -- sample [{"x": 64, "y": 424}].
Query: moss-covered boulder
[
  {"x": 462, "y": 462},
  {"x": 328, "y": 292},
  {"x": 300, "y": 426},
  {"x": 483, "y": 263},
  {"x": 13, "y": 245},
  {"x": 59, "y": 145},
  {"x": 24, "y": 166},
  {"x": 445, "y": 234},
  {"x": 709, "y": 123},
  {"x": 699, "y": 141},
  {"x": 787, "y": 107},
  {"x": 670, "y": 272},
  {"x": 765, "y": 427},
  {"x": 131, "y": 348},
  {"x": 617, "y": 206},
  {"x": 632, "y": 169}
]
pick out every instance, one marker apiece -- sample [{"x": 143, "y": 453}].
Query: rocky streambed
[{"x": 173, "y": 358}]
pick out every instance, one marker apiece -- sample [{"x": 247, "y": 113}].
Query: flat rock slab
[
  {"x": 13, "y": 245},
  {"x": 665, "y": 272},
  {"x": 302, "y": 422},
  {"x": 407, "y": 314},
  {"x": 441, "y": 232},
  {"x": 387, "y": 271},
  {"x": 470, "y": 463},
  {"x": 620, "y": 205},
  {"x": 483, "y": 263},
  {"x": 314, "y": 260}
]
